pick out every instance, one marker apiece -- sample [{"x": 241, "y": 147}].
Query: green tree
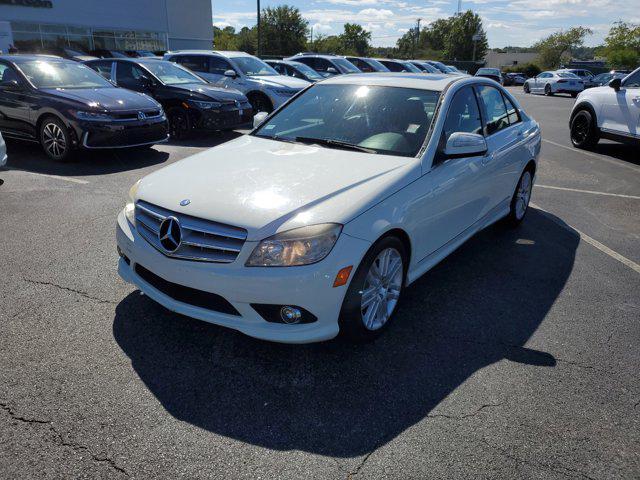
[
  {"x": 557, "y": 47},
  {"x": 355, "y": 39},
  {"x": 622, "y": 45},
  {"x": 459, "y": 43},
  {"x": 283, "y": 30},
  {"x": 225, "y": 38},
  {"x": 327, "y": 44},
  {"x": 247, "y": 40}
]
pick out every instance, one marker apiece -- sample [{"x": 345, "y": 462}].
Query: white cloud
[
  {"x": 376, "y": 14},
  {"x": 321, "y": 28}
]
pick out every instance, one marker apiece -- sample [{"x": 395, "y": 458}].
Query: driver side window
[{"x": 463, "y": 115}]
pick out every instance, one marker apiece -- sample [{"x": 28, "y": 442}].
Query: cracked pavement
[{"x": 515, "y": 358}]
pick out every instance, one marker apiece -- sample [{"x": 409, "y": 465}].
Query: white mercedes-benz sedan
[{"x": 314, "y": 223}]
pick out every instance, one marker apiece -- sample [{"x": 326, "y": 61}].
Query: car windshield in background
[
  {"x": 254, "y": 66},
  {"x": 171, "y": 74},
  {"x": 567, "y": 75},
  {"x": 308, "y": 71},
  {"x": 46, "y": 74},
  {"x": 373, "y": 119},
  {"x": 488, "y": 71},
  {"x": 377, "y": 65},
  {"x": 410, "y": 67},
  {"x": 346, "y": 65}
]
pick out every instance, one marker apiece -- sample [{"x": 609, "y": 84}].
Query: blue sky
[{"x": 513, "y": 22}]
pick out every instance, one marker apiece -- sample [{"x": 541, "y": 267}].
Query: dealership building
[{"x": 40, "y": 25}]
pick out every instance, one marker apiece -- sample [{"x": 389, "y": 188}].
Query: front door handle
[{"x": 487, "y": 158}]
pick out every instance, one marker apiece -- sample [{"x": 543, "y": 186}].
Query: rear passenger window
[
  {"x": 494, "y": 108},
  {"x": 463, "y": 114},
  {"x": 103, "y": 68},
  {"x": 512, "y": 111}
]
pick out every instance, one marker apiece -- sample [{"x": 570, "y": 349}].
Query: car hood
[
  {"x": 267, "y": 186},
  {"x": 281, "y": 81},
  {"x": 209, "y": 91},
  {"x": 105, "y": 98}
]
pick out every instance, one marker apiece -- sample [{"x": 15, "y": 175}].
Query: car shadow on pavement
[
  {"x": 478, "y": 307},
  {"x": 621, "y": 151},
  {"x": 30, "y": 157}
]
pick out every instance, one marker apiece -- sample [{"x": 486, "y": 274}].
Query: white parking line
[
  {"x": 57, "y": 177},
  {"x": 591, "y": 241},
  {"x": 619, "y": 163},
  {"x": 592, "y": 192}
]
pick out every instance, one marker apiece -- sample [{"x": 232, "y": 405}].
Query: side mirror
[
  {"x": 463, "y": 144},
  {"x": 11, "y": 86},
  {"x": 258, "y": 118},
  {"x": 230, "y": 73},
  {"x": 616, "y": 83},
  {"x": 332, "y": 70}
]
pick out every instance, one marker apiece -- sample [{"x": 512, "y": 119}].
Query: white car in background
[
  {"x": 550, "y": 83},
  {"x": 315, "y": 222},
  {"x": 265, "y": 88},
  {"x": 611, "y": 111}
]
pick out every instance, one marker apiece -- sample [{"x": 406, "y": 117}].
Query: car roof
[
  {"x": 422, "y": 81},
  {"x": 317, "y": 55},
  {"x": 31, "y": 57}
]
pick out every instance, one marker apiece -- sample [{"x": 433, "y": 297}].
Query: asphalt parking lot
[{"x": 516, "y": 357}]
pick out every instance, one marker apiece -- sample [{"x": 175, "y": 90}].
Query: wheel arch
[
  {"x": 255, "y": 93},
  {"x": 584, "y": 105}
]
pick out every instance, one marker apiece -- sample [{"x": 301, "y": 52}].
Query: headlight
[
  {"x": 284, "y": 92},
  {"x": 205, "y": 105},
  {"x": 91, "y": 116},
  {"x": 130, "y": 207},
  {"x": 300, "y": 246}
]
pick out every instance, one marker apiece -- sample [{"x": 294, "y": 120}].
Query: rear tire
[
  {"x": 547, "y": 90},
  {"x": 55, "y": 139},
  {"x": 526, "y": 88},
  {"x": 374, "y": 292},
  {"x": 584, "y": 132},
  {"x": 520, "y": 199}
]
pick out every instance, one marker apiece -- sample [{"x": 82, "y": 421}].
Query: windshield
[
  {"x": 410, "y": 67},
  {"x": 45, "y": 74},
  {"x": 346, "y": 65},
  {"x": 376, "y": 65},
  {"x": 254, "y": 66},
  {"x": 376, "y": 119},
  {"x": 488, "y": 71},
  {"x": 145, "y": 53},
  {"x": 171, "y": 74},
  {"x": 307, "y": 71},
  {"x": 440, "y": 66}
]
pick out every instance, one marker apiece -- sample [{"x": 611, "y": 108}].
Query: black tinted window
[
  {"x": 197, "y": 63},
  {"x": 218, "y": 65},
  {"x": 494, "y": 108},
  {"x": 633, "y": 81},
  {"x": 512, "y": 111},
  {"x": 463, "y": 114},
  {"x": 128, "y": 74}
]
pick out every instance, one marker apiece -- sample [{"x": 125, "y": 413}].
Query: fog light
[
  {"x": 124, "y": 257},
  {"x": 290, "y": 314}
]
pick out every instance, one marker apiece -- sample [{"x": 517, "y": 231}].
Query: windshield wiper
[{"x": 335, "y": 143}]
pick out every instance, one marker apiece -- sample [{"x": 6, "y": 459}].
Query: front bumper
[
  {"x": 97, "y": 135},
  {"x": 223, "y": 119},
  {"x": 309, "y": 287}
]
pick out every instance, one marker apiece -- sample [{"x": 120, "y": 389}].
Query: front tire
[
  {"x": 179, "y": 124},
  {"x": 520, "y": 199},
  {"x": 547, "y": 90},
  {"x": 374, "y": 292},
  {"x": 584, "y": 132},
  {"x": 55, "y": 139},
  {"x": 260, "y": 103},
  {"x": 526, "y": 88}
]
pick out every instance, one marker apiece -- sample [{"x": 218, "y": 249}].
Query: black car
[
  {"x": 190, "y": 102},
  {"x": 368, "y": 65},
  {"x": 399, "y": 65},
  {"x": 65, "y": 105},
  {"x": 295, "y": 69},
  {"x": 492, "y": 73}
]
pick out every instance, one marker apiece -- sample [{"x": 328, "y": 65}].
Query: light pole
[
  {"x": 475, "y": 39},
  {"x": 259, "y": 42}
]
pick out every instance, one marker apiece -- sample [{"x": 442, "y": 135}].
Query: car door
[
  {"x": 16, "y": 103},
  {"x": 131, "y": 76},
  {"x": 503, "y": 131},
  {"x": 621, "y": 109},
  {"x": 450, "y": 197}
]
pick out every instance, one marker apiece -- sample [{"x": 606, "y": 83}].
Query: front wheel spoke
[
  {"x": 394, "y": 269},
  {"x": 368, "y": 296},
  {"x": 370, "y": 315}
]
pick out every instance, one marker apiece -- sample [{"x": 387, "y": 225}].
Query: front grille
[
  {"x": 191, "y": 296},
  {"x": 202, "y": 240},
  {"x": 134, "y": 115}
]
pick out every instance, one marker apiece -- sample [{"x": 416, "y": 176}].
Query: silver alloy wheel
[
  {"x": 523, "y": 195},
  {"x": 54, "y": 140},
  {"x": 381, "y": 289}
]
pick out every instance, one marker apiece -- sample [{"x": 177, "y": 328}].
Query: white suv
[
  {"x": 265, "y": 88},
  {"x": 611, "y": 112}
]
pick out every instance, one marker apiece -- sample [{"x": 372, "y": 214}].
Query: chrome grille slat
[{"x": 202, "y": 240}]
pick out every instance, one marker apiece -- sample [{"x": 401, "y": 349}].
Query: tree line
[{"x": 284, "y": 31}]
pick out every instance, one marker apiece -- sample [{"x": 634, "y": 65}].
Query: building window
[{"x": 36, "y": 37}]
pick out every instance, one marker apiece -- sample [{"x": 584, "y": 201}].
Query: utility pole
[
  {"x": 259, "y": 42},
  {"x": 416, "y": 38},
  {"x": 459, "y": 7},
  {"x": 312, "y": 36}
]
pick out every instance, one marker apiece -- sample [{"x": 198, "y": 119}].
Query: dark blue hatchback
[{"x": 65, "y": 105}]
